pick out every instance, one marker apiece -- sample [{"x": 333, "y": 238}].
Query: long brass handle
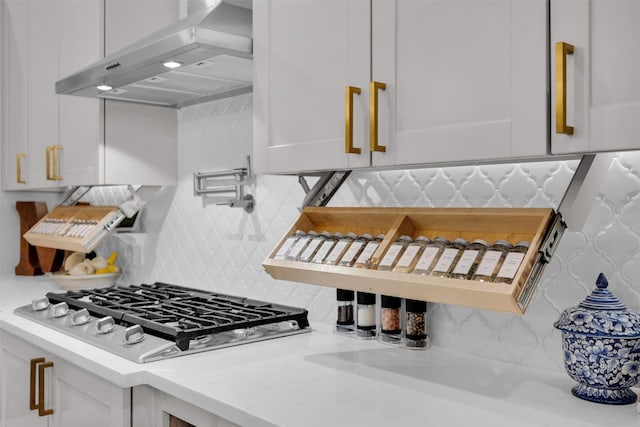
[
  {"x": 19, "y": 158},
  {"x": 42, "y": 411},
  {"x": 52, "y": 151},
  {"x": 562, "y": 50},
  {"x": 373, "y": 116},
  {"x": 32, "y": 382},
  {"x": 348, "y": 123}
]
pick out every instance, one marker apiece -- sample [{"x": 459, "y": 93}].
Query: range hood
[{"x": 211, "y": 51}]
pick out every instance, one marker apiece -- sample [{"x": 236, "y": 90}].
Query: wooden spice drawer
[
  {"x": 74, "y": 228},
  {"x": 542, "y": 227}
]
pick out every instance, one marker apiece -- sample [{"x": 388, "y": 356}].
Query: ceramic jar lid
[{"x": 600, "y": 314}]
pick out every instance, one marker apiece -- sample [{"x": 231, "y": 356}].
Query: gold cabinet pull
[
  {"x": 19, "y": 158},
  {"x": 348, "y": 123},
  {"x": 562, "y": 50},
  {"x": 52, "y": 164},
  {"x": 373, "y": 116},
  {"x": 42, "y": 411},
  {"x": 32, "y": 382}
]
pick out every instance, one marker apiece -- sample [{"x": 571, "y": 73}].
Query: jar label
[
  {"x": 352, "y": 251},
  {"x": 297, "y": 248},
  {"x": 408, "y": 256},
  {"x": 427, "y": 257},
  {"x": 337, "y": 250},
  {"x": 313, "y": 245},
  {"x": 285, "y": 247},
  {"x": 323, "y": 251},
  {"x": 466, "y": 261},
  {"x": 489, "y": 262},
  {"x": 391, "y": 255},
  {"x": 510, "y": 265},
  {"x": 447, "y": 257},
  {"x": 367, "y": 252}
]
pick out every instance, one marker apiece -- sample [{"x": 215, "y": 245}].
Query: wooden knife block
[{"x": 35, "y": 260}]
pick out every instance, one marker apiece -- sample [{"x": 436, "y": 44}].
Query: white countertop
[{"x": 323, "y": 379}]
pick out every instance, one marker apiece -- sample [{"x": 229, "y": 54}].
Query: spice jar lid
[
  {"x": 367, "y": 236},
  {"x": 380, "y": 236},
  {"x": 312, "y": 233},
  {"x": 422, "y": 239},
  {"x": 415, "y": 306},
  {"x": 481, "y": 242},
  {"x": 325, "y": 234},
  {"x": 390, "y": 302},
  {"x": 600, "y": 314},
  {"x": 338, "y": 235},
  {"x": 441, "y": 240},
  {"x": 503, "y": 243},
  {"x": 406, "y": 238},
  {"x": 366, "y": 298},
  {"x": 344, "y": 295},
  {"x": 461, "y": 241},
  {"x": 522, "y": 243},
  {"x": 352, "y": 235}
]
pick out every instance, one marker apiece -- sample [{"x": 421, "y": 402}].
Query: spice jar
[
  {"x": 512, "y": 262},
  {"x": 394, "y": 252},
  {"x": 449, "y": 258},
  {"x": 469, "y": 260},
  {"x": 416, "y": 324},
  {"x": 312, "y": 247},
  {"x": 325, "y": 248},
  {"x": 300, "y": 245},
  {"x": 366, "y": 315},
  {"x": 390, "y": 329},
  {"x": 346, "y": 322},
  {"x": 430, "y": 256},
  {"x": 492, "y": 261},
  {"x": 364, "y": 260},
  {"x": 340, "y": 248},
  {"x": 411, "y": 254},
  {"x": 288, "y": 244},
  {"x": 357, "y": 246}
]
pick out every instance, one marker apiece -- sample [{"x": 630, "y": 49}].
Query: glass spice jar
[
  {"x": 449, "y": 257},
  {"x": 366, "y": 315},
  {"x": 394, "y": 253},
  {"x": 346, "y": 320},
  {"x": 430, "y": 256},
  {"x": 300, "y": 245},
  {"x": 390, "y": 328},
  {"x": 416, "y": 324},
  {"x": 340, "y": 248},
  {"x": 288, "y": 244},
  {"x": 313, "y": 246},
  {"x": 469, "y": 260},
  {"x": 355, "y": 249},
  {"x": 492, "y": 261},
  {"x": 411, "y": 254},
  {"x": 325, "y": 248},
  {"x": 512, "y": 262},
  {"x": 364, "y": 260}
]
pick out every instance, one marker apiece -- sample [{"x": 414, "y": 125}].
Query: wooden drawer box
[
  {"x": 74, "y": 228},
  {"x": 542, "y": 227}
]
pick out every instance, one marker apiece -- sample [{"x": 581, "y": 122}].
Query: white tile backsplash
[{"x": 221, "y": 248}]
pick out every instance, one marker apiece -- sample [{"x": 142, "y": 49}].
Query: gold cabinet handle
[
  {"x": 19, "y": 158},
  {"x": 373, "y": 116},
  {"x": 348, "y": 125},
  {"x": 32, "y": 382},
  {"x": 52, "y": 152},
  {"x": 42, "y": 411},
  {"x": 562, "y": 50}
]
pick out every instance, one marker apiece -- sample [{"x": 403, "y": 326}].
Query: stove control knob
[
  {"x": 105, "y": 325},
  {"x": 80, "y": 317},
  {"x": 133, "y": 334},
  {"x": 59, "y": 310},
  {"x": 40, "y": 304}
]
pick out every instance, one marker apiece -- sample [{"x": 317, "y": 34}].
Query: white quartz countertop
[{"x": 323, "y": 379}]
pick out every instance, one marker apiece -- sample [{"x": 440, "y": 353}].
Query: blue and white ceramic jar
[{"x": 601, "y": 343}]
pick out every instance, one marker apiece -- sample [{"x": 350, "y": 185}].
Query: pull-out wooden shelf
[{"x": 541, "y": 227}]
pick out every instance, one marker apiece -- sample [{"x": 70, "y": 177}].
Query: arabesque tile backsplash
[{"x": 221, "y": 248}]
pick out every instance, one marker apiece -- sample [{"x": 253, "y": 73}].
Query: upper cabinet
[
  {"x": 595, "y": 56},
  {"x": 355, "y": 83},
  {"x": 49, "y": 140}
]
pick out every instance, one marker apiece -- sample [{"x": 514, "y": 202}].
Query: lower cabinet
[
  {"x": 39, "y": 389},
  {"x": 153, "y": 408}
]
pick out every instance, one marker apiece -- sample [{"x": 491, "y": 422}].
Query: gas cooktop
[{"x": 156, "y": 321}]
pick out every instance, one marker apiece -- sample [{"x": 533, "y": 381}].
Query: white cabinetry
[
  {"x": 461, "y": 81},
  {"x": 75, "y": 397},
  {"x": 602, "y": 83}
]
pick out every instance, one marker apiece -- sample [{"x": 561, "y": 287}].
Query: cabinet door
[
  {"x": 14, "y": 64},
  {"x": 465, "y": 79},
  {"x": 602, "y": 80},
  {"x": 306, "y": 53}
]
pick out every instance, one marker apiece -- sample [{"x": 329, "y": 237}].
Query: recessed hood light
[
  {"x": 172, "y": 64},
  {"x": 103, "y": 88}
]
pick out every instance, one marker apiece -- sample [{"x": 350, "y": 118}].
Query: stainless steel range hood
[{"x": 213, "y": 49}]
